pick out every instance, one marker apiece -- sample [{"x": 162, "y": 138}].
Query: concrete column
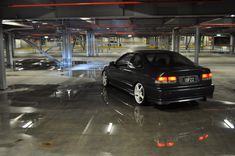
[
  {"x": 197, "y": 45},
  {"x": 157, "y": 42},
  {"x": 168, "y": 47},
  {"x": 9, "y": 50},
  {"x": 177, "y": 44},
  {"x": 232, "y": 43},
  {"x": 3, "y": 84},
  {"x": 90, "y": 43},
  {"x": 5, "y": 132},
  {"x": 186, "y": 42},
  {"x": 118, "y": 41},
  {"x": 202, "y": 42},
  {"x": 213, "y": 43},
  {"x": 67, "y": 49},
  {"x": 173, "y": 38},
  {"x": 13, "y": 45}
]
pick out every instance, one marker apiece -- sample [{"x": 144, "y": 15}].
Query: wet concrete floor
[{"x": 89, "y": 120}]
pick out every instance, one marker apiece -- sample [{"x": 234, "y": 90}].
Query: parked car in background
[{"x": 34, "y": 64}]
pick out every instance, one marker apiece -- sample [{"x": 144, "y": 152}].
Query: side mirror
[
  {"x": 112, "y": 63},
  {"x": 130, "y": 65}
]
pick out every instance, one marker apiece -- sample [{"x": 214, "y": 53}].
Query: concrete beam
[
  {"x": 3, "y": 84},
  {"x": 153, "y": 9}
]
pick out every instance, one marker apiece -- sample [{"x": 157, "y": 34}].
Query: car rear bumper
[{"x": 180, "y": 95}]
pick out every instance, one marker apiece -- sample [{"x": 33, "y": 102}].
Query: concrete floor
[{"x": 54, "y": 113}]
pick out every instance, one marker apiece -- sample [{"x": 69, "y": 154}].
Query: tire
[
  {"x": 139, "y": 94},
  {"x": 105, "y": 80}
]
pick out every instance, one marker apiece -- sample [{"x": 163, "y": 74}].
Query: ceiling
[{"x": 109, "y": 18}]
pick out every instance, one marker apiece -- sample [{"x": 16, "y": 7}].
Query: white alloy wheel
[
  {"x": 139, "y": 93},
  {"x": 105, "y": 79}
]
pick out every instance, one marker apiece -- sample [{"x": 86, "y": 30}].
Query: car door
[
  {"x": 116, "y": 71},
  {"x": 133, "y": 72}
]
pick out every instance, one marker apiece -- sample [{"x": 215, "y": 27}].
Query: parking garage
[{"x": 51, "y": 61}]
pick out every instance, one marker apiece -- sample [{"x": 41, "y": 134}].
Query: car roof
[{"x": 153, "y": 51}]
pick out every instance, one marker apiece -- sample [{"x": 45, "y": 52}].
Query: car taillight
[
  {"x": 165, "y": 79},
  {"x": 170, "y": 144},
  {"x": 161, "y": 144},
  {"x": 201, "y": 138},
  {"x": 207, "y": 76},
  {"x": 167, "y": 144}
]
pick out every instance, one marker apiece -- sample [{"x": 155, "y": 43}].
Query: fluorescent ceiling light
[
  {"x": 109, "y": 128},
  {"x": 229, "y": 124},
  {"x": 218, "y": 35},
  {"x": 46, "y": 37},
  {"x": 85, "y": 18},
  {"x": 232, "y": 15},
  {"x": 129, "y": 35},
  {"x": 27, "y": 124},
  {"x": 13, "y": 23}
]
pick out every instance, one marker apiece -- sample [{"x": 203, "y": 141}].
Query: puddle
[
  {"x": 25, "y": 120},
  {"x": 88, "y": 65}
]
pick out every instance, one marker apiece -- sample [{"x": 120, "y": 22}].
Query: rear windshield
[{"x": 168, "y": 60}]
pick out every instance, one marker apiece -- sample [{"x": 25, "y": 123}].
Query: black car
[
  {"x": 34, "y": 64},
  {"x": 162, "y": 77}
]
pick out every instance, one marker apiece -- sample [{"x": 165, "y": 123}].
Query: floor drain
[
  {"x": 18, "y": 140},
  {"x": 47, "y": 144}
]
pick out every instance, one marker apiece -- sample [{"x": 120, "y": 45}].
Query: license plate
[{"x": 189, "y": 79}]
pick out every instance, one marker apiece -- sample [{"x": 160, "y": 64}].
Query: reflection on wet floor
[
  {"x": 94, "y": 74},
  {"x": 35, "y": 64},
  {"x": 87, "y": 119},
  {"x": 44, "y": 64}
]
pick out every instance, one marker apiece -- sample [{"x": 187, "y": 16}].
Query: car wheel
[
  {"x": 105, "y": 79},
  {"x": 139, "y": 94}
]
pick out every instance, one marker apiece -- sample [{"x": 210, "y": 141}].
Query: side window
[
  {"x": 137, "y": 61},
  {"x": 124, "y": 59}
]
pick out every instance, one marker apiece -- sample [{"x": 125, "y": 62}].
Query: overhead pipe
[
  {"x": 74, "y": 4},
  {"x": 218, "y": 24},
  {"x": 107, "y": 3}
]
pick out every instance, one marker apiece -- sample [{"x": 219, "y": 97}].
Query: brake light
[
  {"x": 172, "y": 79},
  {"x": 201, "y": 138},
  {"x": 167, "y": 144},
  {"x": 166, "y": 79},
  {"x": 207, "y": 76},
  {"x": 162, "y": 79},
  {"x": 206, "y": 136},
  {"x": 161, "y": 144},
  {"x": 170, "y": 144}
]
